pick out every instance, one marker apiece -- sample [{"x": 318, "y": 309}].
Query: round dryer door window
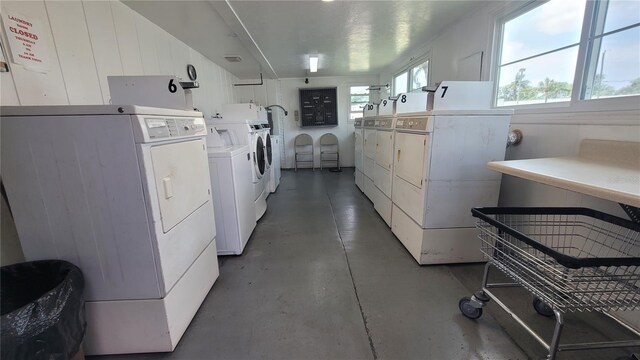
[
  {"x": 260, "y": 158},
  {"x": 269, "y": 149}
]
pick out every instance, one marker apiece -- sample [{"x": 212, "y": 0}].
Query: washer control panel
[
  {"x": 413, "y": 123},
  {"x": 369, "y": 123}
]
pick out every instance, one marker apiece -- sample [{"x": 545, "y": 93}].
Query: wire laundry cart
[{"x": 569, "y": 259}]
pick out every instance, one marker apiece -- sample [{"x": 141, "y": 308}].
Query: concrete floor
[{"x": 323, "y": 277}]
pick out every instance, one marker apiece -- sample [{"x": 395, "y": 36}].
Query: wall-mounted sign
[{"x": 27, "y": 41}]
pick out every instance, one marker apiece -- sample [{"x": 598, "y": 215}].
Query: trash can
[{"x": 42, "y": 310}]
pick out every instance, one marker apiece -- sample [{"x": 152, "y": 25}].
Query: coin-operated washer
[
  {"x": 265, "y": 133},
  {"x": 369, "y": 149},
  {"x": 243, "y": 125},
  {"x": 383, "y": 170},
  {"x": 443, "y": 141}
]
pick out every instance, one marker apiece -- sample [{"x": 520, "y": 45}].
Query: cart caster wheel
[
  {"x": 468, "y": 310},
  {"x": 542, "y": 308}
]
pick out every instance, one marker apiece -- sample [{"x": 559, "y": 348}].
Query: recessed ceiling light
[{"x": 313, "y": 63}]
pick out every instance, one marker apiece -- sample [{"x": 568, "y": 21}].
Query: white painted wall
[
  {"x": 285, "y": 92},
  {"x": 547, "y": 132},
  {"x": 289, "y": 89},
  {"x": 90, "y": 40}
]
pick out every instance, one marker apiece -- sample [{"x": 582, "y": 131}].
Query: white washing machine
[
  {"x": 440, "y": 169},
  {"x": 242, "y": 125},
  {"x": 275, "y": 172},
  {"x": 233, "y": 199},
  {"x": 383, "y": 170},
  {"x": 359, "y": 153},
  {"x": 268, "y": 151},
  {"x": 123, "y": 192},
  {"x": 369, "y": 149}
]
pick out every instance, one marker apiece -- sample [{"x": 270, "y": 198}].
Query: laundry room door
[
  {"x": 181, "y": 172},
  {"x": 384, "y": 152},
  {"x": 410, "y": 157}
]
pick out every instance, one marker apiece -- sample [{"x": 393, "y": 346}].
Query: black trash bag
[{"x": 42, "y": 310}]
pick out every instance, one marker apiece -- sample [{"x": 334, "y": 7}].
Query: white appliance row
[
  {"x": 123, "y": 192},
  {"x": 427, "y": 166},
  {"x": 245, "y": 169},
  {"x": 358, "y": 135}
]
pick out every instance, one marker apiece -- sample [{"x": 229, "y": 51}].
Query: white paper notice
[{"x": 27, "y": 41}]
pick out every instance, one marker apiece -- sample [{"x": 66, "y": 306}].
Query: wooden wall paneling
[
  {"x": 32, "y": 87},
  {"x": 125, "y": 25},
  {"x": 74, "y": 52},
  {"x": 147, "y": 39},
  {"x": 104, "y": 42},
  {"x": 163, "y": 51}
]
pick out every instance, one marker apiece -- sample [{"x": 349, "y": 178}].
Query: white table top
[{"x": 602, "y": 179}]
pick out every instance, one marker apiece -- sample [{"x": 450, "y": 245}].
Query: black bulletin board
[{"x": 319, "y": 107}]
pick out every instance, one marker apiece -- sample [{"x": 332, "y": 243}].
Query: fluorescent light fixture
[
  {"x": 313, "y": 63},
  {"x": 327, "y": 0}
]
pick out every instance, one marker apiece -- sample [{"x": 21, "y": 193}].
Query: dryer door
[
  {"x": 268, "y": 149},
  {"x": 410, "y": 157},
  {"x": 370, "y": 143},
  {"x": 259, "y": 158},
  {"x": 181, "y": 173},
  {"x": 384, "y": 151}
]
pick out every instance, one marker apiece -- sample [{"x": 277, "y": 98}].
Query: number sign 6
[{"x": 172, "y": 87}]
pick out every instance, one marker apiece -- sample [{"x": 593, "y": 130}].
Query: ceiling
[
  {"x": 276, "y": 37},
  {"x": 198, "y": 24}
]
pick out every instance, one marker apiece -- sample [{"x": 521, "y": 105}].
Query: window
[
  {"x": 359, "y": 97},
  {"x": 411, "y": 80},
  {"x": 400, "y": 83},
  {"x": 614, "y": 59},
  {"x": 550, "y": 53},
  {"x": 419, "y": 76}
]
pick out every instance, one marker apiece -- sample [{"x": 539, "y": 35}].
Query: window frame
[
  {"x": 393, "y": 82},
  {"x": 349, "y": 112},
  {"x": 583, "y": 62}
]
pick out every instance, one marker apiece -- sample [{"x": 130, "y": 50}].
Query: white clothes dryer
[
  {"x": 126, "y": 192},
  {"x": 369, "y": 149},
  {"x": 440, "y": 172},
  {"x": 369, "y": 157},
  {"x": 383, "y": 169},
  {"x": 359, "y": 153},
  {"x": 233, "y": 201}
]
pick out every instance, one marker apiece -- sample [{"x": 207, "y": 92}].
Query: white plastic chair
[
  {"x": 303, "y": 147},
  {"x": 329, "y": 150}
]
